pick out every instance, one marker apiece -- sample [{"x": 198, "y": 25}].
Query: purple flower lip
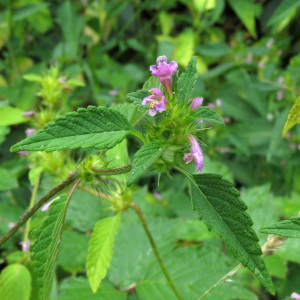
[
  {"x": 28, "y": 113},
  {"x": 196, "y": 102},
  {"x": 295, "y": 296},
  {"x": 196, "y": 154},
  {"x": 29, "y": 132},
  {"x": 157, "y": 102},
  {"x": 25, "y": 245},
  {"x": 164, "y": 71}
]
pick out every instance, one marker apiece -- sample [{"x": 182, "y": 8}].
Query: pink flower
[
  {"x": 157, "y": 195},
  {"x": 249, "y": 58},
  {"x": 196, "y": 153},
  {"x": 23, "y": 153},
  {"x": 29, "y": 132},
  {"x": 196, "y": 102},
  {"x": 164, "y": 71},
  {"x": 112, "y": 92},
  {"x": 157, "y": 102},
  {"x": 260, "y": 64},
  {"x": 211, "y": 105},
  {"x": 295, "y": 296},
  {"x": 46, "y": 206},
  {"x": 28, "y": 113},
  {"x": 25, "y": 245},
  {"x": 219, "y": 102},
  {"x": 62, "y": 79},
  {"x": 279, "y": 95},
  {"x": 270, "y": 43}
]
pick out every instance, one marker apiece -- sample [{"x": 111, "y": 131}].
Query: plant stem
[
  {"x": 31, "y": 203},
  {"x": 116, "y": 171},
  {"x": 153, "y": 245},
  {"x": 27, "y": 215}
]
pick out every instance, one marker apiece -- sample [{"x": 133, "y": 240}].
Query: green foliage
[
  {"x": 10, "y": 115},
  {"x": 15, "y": 283},
  {"x": 288, "y": 228},
  {"x": 137, "y": 98},
  {"x": 206, "y": 114},
  {"x": 97, "y": 127},
  {"x": 101, "y": 249},
  {"x": 44, "y": 251},
  {"x": 8, "y": 181},
  {"x": 144, "y": 159},
  {"x": 217, "y": 203},
  {"x": 132, "y": 113},
  {"x": 187, "y": 81},
  {"x": 293, "y": 117}
]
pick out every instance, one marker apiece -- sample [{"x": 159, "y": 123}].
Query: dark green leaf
[
  {"x": 214, "y": 49},
  {"x": 144, "y": 159},
  {"x": 218, "y": 204},
  {"x": 207, "y": 114},
  {"x": 97, "y": 127}
]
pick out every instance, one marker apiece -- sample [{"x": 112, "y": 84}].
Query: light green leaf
[
  {"x": 44, "y": 251},
  {"x": 132, "y": 113},
  {"x": 144, "y": 159},
  {"x": 34, "y": 174},
  {"x": 33, "y": 77},
  {"x": 11, "y": 115},
  {"x": 288, "y": 228},
  {"x": 15, "y": 283},
  {"x": 218, "y": 204},
  {"x": 74, "y": 82},
  {"x": 97, "y": 127},
  {"x": 27, "y": 10},
  {"x": 7, "y": 180},
  {"x": 101, "y": 249},
  {"x": 245, "y": 10},
  {"x": 293, "y": 118},
  {"x": 283, "y": 10},
  {"x": 153, "y": 82},
  {"x": 137, "y": 98},
  {"x": 207, "y": 114},
  {"x": 187, "y": 81}
]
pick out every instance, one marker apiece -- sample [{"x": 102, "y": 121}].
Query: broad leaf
[
  {"x": 137, "y": 98},
  {"x": 15, "y": 283},
  {"x": 144, "y": 159},
  {"x": 187, "y": 81},
  {"x": 44, "y": 251},
  {"x": 101, "y": 249},
  {"x": 98, "y": 127},
  {"x": 288, "y": 228},
  {"x": 218, "y": 204},
  {"x": 153, "y": 82},
  {"x": 207, "y": 114},
  {"x": 11, "y": 115},
  {"x": 293, "y": 118},
  {"x": 130, "y": 111}
]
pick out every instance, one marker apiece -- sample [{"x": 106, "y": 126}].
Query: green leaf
[
  {"x": 33, "y": 77},
  {"x": 245, "y": 10},
  {"x": 101, "y": 249},
  {"x": 97, "y": 127},
  {"x": 137, "y": 98},
  {"x": 27, "y": 10},
  {"x": 288, "y": 228},
  {"x": 218, "y": 204},
  {"x": 214, "y": 49},
  {"x": 11, "y": 115},
  {"x": 207, "y": 114},
  {"x": 130, "y": 111},
  {"x": 7, "y": 180},
  {"x": 153, "y": 82},
  {"x": 4, "y": 130},
  {"x": 293, "y": 118},
  {"x": 187, "y": 81},
  {"x": 144, "y": 159},
  {"x": 44, "y": 251},
  {"x": 283, "y": 10},
  {"x": 15, "y": 283},
  {"x": 219, "y": 70}
]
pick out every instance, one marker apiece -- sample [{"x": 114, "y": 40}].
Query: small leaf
[
  {"x": 137, "y": 98},
  {"x": 293, "y": 118},
  {"x": 15, "y": 283},
  {"x": 33, "y": 77},
  {"x": 152, "y": 82},
  {"x": 44, "y": 251},
  {"x": 207, "y": 114},
  {"x": 187, "y": 81},
  {"x": 101, "y": 249},
  {"x": 132, "y": 113},
  {"x": 288, "y": 228},
  {"x": 97, "y": 127},
  {"x": 11, "y": 115},
  {"x": 217, "y": 202},
  {"x": 144, "y": 159}
]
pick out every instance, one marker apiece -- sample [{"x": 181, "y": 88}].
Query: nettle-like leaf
[
  {"x": 217, "y": 202},
  {"x": 101, "y": 249},
  {"x": 288, "y": 228},
  {"x": 130, "y": 111},
  {"x": 144, "y": 159},
  {"x": 293, "y": 118},
  {"x": 97, "y": 127},
  {"x": 137, "y": 98},
  {"x": 207, "y": 114},
  {"x": 187, "y": 81},
  {"x": 44, "y": 251},
  {"x": 15, "y": 283},
  {"x": 153, "y": 82}
]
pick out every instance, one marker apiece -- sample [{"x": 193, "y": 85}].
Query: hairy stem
[
  {"x": 153, "y": 245},
  {"x": 27, "y": 215},
  {"x": 116, "y": 171}
]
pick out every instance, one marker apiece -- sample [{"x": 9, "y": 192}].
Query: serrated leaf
[
  {"x": 293, "y": 117},
  {"x": 15, "y": 283},
  {"x": 137, "y": 98},
  {"x": 187, "y": 81},
  {"x": 245, "y": 10},
  {"x": 11, "y": 115},
  {"x": 144, "y": 159},
  {"x": 101, "y": 249},
  {"x": 97, "y": 127},
  {"x": 207, "y": 114},
  {"x": 152, "y": 82},
  {"x": 288, "y": 228},
  {"x": 217, "y": 202},
  {"x": 130, "y": 111},
  {"x": 44, "y": 251}
]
